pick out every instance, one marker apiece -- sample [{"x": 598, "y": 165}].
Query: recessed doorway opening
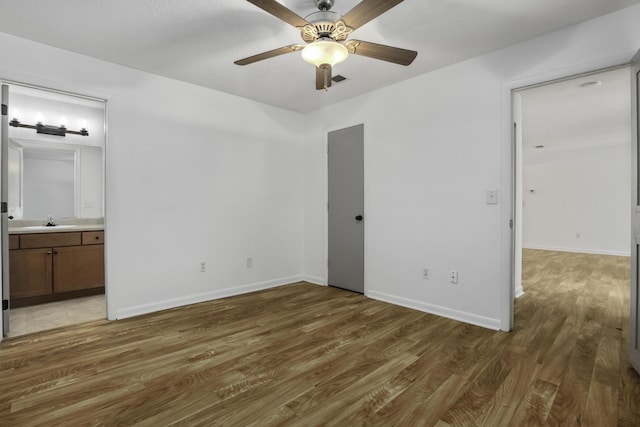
[
  {"x": 572, "y": 167},
  {"x": 53, "y": 263}
]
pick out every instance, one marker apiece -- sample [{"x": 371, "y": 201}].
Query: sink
[{"x": 47, "y": 227}]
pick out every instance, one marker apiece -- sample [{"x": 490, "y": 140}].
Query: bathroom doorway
[{"x": 53, "y": 264}]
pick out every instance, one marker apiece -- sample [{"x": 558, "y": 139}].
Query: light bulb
[
  {"x": 83, "y": 124},
  {"x": 39, "y": 118},
  {"x": 325, "y": 51},
  {"x": 16, "y": 115},
  {"x": 63, "y": 121}
]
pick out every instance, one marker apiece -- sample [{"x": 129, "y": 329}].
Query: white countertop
[
  {"x": 55, "y": 229},
  {"x": 64, "y": 226}
]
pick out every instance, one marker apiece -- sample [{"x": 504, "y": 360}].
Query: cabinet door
[
  {"x": 78, "y": 267},
  {"x": 30, "y": 272}
]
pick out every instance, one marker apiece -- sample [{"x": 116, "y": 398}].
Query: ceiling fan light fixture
[{"x": 325, "y": 51}]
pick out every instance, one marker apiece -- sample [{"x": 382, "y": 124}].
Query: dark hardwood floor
[{"x": 309, "y": 355}]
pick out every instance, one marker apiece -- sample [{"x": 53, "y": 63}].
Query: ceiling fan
[{"x": 325, "y": 33}]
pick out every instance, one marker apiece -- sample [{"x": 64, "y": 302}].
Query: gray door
[
  {"x": 4, "y": 223},
  {"x": 346, "y": 208},
  {"x": 634, "y": 338}
]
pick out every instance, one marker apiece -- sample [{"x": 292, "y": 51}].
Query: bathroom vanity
[{"x": 56, "y": 263}]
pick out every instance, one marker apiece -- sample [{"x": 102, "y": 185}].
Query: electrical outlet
[
  {"x": 249, "y": 262},
  {"x": 492, "y": 197},
  {"x": 426, "y": 274},
  {"x": 203, "y": 267},
  {"x": 453, "y": 277}
]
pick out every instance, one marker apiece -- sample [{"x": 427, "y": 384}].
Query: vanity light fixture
[{"x": 49, "y": 129}]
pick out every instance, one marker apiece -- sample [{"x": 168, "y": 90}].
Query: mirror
[
  {"x": 63, "y": 181},
  {"x": 49, "y": 183}
]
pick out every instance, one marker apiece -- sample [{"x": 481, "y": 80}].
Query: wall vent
[{"x": 338, "y": 78}]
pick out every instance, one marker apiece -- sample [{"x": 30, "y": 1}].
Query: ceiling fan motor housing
[
  {"x": 325, "y": 23},
  {"x": 324, "y": 4}
]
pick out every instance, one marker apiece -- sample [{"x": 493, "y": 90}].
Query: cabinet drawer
[
  {"x": 28, "y": 241},
  {"x": 92, "y": 237},
  {"x": 14, "y": 241}
]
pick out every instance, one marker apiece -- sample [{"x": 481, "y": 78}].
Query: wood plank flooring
[{"x": 306, "y": 355}]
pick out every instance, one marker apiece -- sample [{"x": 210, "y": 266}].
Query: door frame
[
  {"x": 634, "y": 345},
  {"x": 508, "y": 160},
  {"x": 11, "y": 78},
  {"x": 5, "y": 324},
  {"x": 325, "y": 153}
]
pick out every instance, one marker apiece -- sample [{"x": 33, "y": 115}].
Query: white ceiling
[
  {"x": 575, "y": 114},
  {"x": 197, "y": 40}
]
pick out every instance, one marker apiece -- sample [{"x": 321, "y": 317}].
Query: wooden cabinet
[
  {"x": 31, "y": 272},
  {"x": 14, "y": 241},
  {"x": 50, "y": 266},
  {"x": 78, "y": 267}
]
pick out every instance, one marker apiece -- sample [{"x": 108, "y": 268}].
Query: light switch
[{"x": 492, "y": 197}]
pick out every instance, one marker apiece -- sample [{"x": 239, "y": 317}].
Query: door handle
[{"x": 358, "y": 217}]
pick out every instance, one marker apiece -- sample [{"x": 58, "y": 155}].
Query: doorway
[
  {"x": 346, "y": 220},
  {"x": 572, "y": 204},
  {"x": 572, "y": 167},
  {"x": 53, "y": 229}
]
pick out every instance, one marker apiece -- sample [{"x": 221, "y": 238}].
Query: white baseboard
[
  {"x": 578, "y": 250},
  {"x": 202, "y": 297},
  {"x": 314, "y": 280},
  {"x": 474, "y": 319},
  {"x": 518, "y": 292}
]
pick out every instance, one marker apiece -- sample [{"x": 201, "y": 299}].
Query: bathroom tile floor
[{"x": 35, "y": 318}]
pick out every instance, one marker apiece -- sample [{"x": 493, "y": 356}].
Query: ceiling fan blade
[
  {"x": 323, "y": 77},
  {"x": 269, "y": 54},
  {"x": 367, "y": 10},
  {"x": 382, "y": 52},
  {"x": 280, "y": 12}
]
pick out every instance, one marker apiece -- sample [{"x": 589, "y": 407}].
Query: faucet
[{"x": 50, "y": 222}]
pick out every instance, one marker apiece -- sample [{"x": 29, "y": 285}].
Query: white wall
[
  {"x": 433, "y": 146},
  {"x": 191, "y": 175},
  {"x": 580, "y": 199}
]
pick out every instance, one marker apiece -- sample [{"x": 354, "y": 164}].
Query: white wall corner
[{"x": 314, "y": 280}]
